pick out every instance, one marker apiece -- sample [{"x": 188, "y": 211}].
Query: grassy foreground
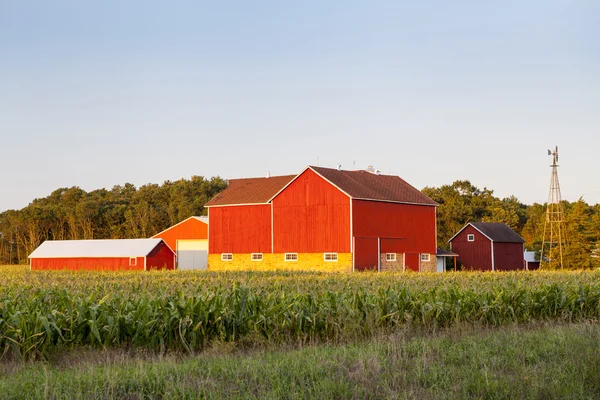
[
  {"x": 45, "y": 313},
  {"x": 543, "y": 362}
]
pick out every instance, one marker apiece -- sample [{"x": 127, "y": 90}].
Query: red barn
[
  {"x": 324, "y": 219},
  {"x": 103, "y": 255},
  {"x": 488, "y": 246},
  {"x": 189, "y": 239}
]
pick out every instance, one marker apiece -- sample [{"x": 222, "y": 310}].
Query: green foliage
[
  {"x": 43, "y": 312},
  {"x": 119, "y": 213}
]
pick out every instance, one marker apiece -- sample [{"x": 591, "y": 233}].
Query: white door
[{"x": 192, "y": 254}]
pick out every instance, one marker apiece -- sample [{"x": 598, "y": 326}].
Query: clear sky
[{"x": 99, "y": 93}]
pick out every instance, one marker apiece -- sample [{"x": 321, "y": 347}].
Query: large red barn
[
  {"x": 189, "y": 239},
  {"x": 325, "y": 219},
  {"x": 488, "y": 246},
  {"x": 103, "y": 255}
]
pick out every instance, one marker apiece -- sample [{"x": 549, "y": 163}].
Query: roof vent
[
  {"x": 339, "y": 167},
  {"x": 377, "y": 172},
  {"x": 268, "y": 174},
  {"x": 371, "y": 169}
]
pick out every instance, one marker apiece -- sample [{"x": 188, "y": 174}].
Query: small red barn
[
  {"x": 189, "y": 239},
  {"x": 324, "y": 219},
  {"x": 488, "y": 246},
  {"x": 103, "y": 255}
]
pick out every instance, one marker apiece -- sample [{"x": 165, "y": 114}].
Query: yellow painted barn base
[{"x": 272, "y": 262}]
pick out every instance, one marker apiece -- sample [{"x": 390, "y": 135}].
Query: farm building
[
  {"x": 442, "y": 260},
  {"x": 488, "y": 246},
  {"x": 531, "y": 264},
  {"x": 103, "y": 255},
  {"x": 189, "y": 239},
  {"x": 322, "y": 219}
]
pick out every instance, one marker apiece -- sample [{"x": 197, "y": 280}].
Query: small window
[
  {"x": 471, "y": 238},
  {"x": 425, "y": 257},
  {"x": 256, "y": 257},
  {"x": 331, "y": 257},
  {"x": 291, "y": 257},
  {"x": 132, "y": 261},
  {"x": 226, "y": 256},
  {"x": 390, "y": 256}
]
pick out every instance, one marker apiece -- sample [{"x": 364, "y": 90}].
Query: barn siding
[
  {"x": 475, "y": 255},
  {"x": 311, "y": 216},
  {"x": 87, "y": 264},
  {"x": 162, "y": 257},
  {"x": 240, "y": 229},
  {"x": 366, "y": 254},
  {"x": 188, "y": 230},
  {"x": 508, "y": 256}
]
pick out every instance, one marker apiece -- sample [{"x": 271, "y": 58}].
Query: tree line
[
  {"x": 129, "y": 212},
  {"x": 122, "y": 212},
  {"x": 462, "y": 202}
]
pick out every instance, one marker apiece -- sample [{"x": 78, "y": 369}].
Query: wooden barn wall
[
  {"x": 475, "y": 255},
  {"x": 412, "y": 261},
  {"x": 508, "y": 256},
  {"x": 188, "y": 230},
  {"x": 240, "y": 229},
  {"x": 162, "y": 257},
  {"x": 311, "y": 216},
  {"x": 413, "y": 223},
  {"x": 365, "y": 254},
  {"x": 87, "y": 264}
]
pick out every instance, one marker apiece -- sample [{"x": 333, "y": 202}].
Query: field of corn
[{"x": 42, "y": 313}]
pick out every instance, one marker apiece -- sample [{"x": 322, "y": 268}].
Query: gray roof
[
  {"x": 202, "y": 219},
  {"x": 95, "y": 248},
  {"x": 495, "y": 231},
  {"x": 445, "y": 253},
  {"x": 530, "y": 256}
]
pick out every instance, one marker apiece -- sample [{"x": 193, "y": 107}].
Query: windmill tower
[{"x": 554, "y": 242}]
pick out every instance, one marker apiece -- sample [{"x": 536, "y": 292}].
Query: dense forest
[{"x": 130, "y": 212}]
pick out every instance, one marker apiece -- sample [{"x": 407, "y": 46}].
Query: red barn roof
[
  {"x": 250, "y": 191},
  {"x": 364, "y": 185}
]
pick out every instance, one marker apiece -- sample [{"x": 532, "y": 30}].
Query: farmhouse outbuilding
[
  {"x": 488, "y": 246},
  {"x": 103, "y": 255},
  {"x": 189, "y": 240},
  {"x": 323, "y": 219}
]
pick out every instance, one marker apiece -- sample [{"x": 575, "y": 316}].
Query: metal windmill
[{"x": 554, "y": 242}]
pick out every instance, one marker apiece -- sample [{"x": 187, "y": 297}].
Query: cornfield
[{"x": 44, "y": 312}]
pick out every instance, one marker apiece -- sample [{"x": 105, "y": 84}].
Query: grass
[{"x": 526, "y": 362}]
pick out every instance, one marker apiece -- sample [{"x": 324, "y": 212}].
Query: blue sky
[{"x": 95, "y": 94}]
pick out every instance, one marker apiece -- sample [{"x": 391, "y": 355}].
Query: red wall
[
  {"x": 475, "y": 255},
  {"x": 240, "y": 229},
  {"x": 311, "y": 216},
  {"x": 414, "y": 223},
  {"x": 189, "y": 229},
  {"x": 162, "y": 257},
  {"x": 508, "y": 256},
  {"x": 86, "y": 264},
  {"x": 412, "y": 261},
  {"x": 365, "y": 254}
]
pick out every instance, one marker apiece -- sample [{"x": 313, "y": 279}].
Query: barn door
[
  {"x": 366, "y": 254},
  {"x": 412, "y": 261},
  {"x": 192, "y": 254}
]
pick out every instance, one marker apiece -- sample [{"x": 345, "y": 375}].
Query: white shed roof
[
  {"x": 529, "y": 256},
  {"x": 95, "y": 248},
  {"x": 202, "y": 219}
]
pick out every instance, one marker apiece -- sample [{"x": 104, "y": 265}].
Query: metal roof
[
  {"x": 202, "y": 219},
  {"x": 95, "y": 248},
  {"x": 530, "y": 256},
  {"x": 445, "y": 253}
]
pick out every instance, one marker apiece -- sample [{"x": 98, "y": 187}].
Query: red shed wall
[
  {"x": 508, "y": 256},
  {"x": 240, "y": 229},
  {"x": 162, "y": 257},
  {"x": 87, "y": 264},
  {"x": 414, "y": 223},
  {"x": 475, "y": 255},
  {"x": 311, "y": 216},
  {"x": 190, "y": 229}
]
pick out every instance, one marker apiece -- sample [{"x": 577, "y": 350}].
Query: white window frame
[
  {"x": 226, "y": 256},
  {"x": 471, "y": 237},
  {"x": 390, "y": 257},
  {"x": 330, "y": 257},
  {"x": 134, "y": 263},
  {"x": 256, "y": 256},
  {"x": 293, "y": 257},
  {"x": 425, "y": 257}
]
